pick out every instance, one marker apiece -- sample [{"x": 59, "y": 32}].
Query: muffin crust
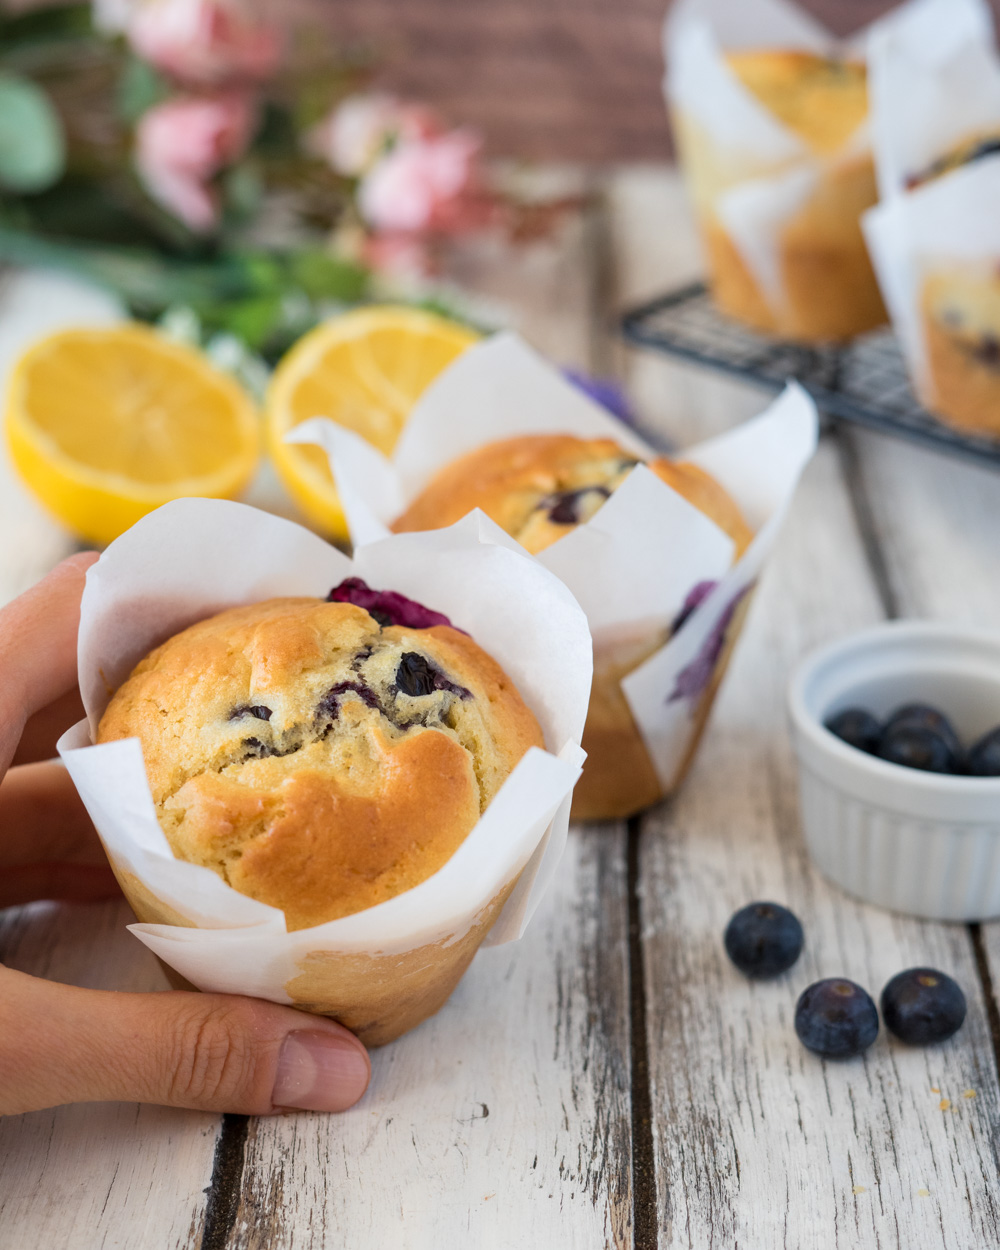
[
  {"x": 539, "y": 487},
  {"x": 314, "y": 759}
]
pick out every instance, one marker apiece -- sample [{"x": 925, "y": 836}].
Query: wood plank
[
  {"x": 502, "y": 1121},
  {"x": 98, "y": 1174},
  {"x": 758, "y": 1142},
  {"x": 936, "y": 520}
]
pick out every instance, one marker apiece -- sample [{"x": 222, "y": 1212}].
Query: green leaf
[
  {"x": 32, "y": 146},
  {"x": 324, "y": 276},
  {"x": 139, "y": 88}
]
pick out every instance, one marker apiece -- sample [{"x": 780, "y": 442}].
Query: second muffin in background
[{"x": 538, "y": 488}]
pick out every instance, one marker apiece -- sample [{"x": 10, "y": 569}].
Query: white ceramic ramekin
[{"x": 916, "y": 842}]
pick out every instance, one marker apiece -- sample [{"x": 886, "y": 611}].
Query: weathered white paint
[
  {"x": 758, "y": 1142},
  {"x": 503, "y": 1121}
]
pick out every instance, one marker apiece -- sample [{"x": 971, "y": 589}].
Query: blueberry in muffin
[{"x": 322, "y": 757}]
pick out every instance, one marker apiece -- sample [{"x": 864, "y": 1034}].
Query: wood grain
[
  {"x": 936, "y": 521},
  {"x": 502, "y": 1121},
  {"x": 758, "y": 1142}
]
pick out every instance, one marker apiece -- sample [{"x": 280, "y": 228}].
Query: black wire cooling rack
[{"x": 864, "y": 380}]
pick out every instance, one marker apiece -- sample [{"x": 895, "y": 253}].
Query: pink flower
[
  {"x": 400, "y": 256},
  {"x": 426, "y": 184},
  {"x": 183, "y": 143},
  {"x": 362, "y": 127},
  {"x": 205, "y": 41}
]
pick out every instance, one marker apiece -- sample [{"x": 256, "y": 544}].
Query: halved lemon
[
  {"x": 104, "y": 425},
  {"x": 365, "y": 370}
]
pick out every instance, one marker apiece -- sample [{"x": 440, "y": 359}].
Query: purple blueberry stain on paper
[
  {"x": 604, "y": 391},
  {"x": 696, "y": 596},
  {"x": 695, "y": 677}
]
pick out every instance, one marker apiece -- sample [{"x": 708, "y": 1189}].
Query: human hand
[{"x": 59, "y": 1043}]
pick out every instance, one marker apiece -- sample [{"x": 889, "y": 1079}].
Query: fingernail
[{"x": 320, "y": 1072}]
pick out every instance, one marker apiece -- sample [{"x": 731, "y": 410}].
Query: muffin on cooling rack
[
  {"x": 826, "y": 287},
  {"x": 538, "y": 488},
  {"x": 322, "y": 756},
  {"x": 959, "y": 310}
]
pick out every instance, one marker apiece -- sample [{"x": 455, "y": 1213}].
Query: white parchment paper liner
[
  {"x": 766, "y": 173},
  {"x": 195, "y": 557},
  {"x": 951, "y": 221},
  {"x": 934, "y": 81},
  {"x": 633, "y": 565}
]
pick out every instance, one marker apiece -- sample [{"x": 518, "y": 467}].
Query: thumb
[{"x": 212, "y": 1052}]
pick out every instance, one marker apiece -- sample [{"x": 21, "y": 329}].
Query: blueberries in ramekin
[
  {"x": 923, "y": 1006},
  {"x": 858, "y": 728},
  {"x": 983, "y": 759},
  {"x": 836, "y": 1018},
  {"x": 917, "y": 736},
  {"x": 763, "y": 939}
]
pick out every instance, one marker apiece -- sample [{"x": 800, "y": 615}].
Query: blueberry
[
  {"x": 922, "y": 1006},
  {"x": 858, "y": 728},
  {"x": 983, "y": 759},
  {"x": 563, "y": 506},
  {"x": 914, "y": 747},
  {"x": 923, "y": 716},
  {"x": 387, "y": 607},
  {"x": 417, "y": 676},
  {"x": 836, "y": 1018},
  {"x": 763, "y": 939},
  {"x": 248, "y": 709},
  {"x": 328, "y": 707}
]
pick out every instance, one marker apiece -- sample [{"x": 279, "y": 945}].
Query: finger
[
  {"x": 38, "y": 647},
  {"x": 46, "y": 727},
  {"x": 211, "y": 1052},
  {"x": 48, "y": 846}
]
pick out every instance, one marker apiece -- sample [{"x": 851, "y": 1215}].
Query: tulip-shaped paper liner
[
  {"x": 382, "y": 970},
  {"x": 934, "y": 82},
  {"x": 654, "y": 575},
  {"x": 936, "y": 86},
  {"x": 747, "y": 169}
]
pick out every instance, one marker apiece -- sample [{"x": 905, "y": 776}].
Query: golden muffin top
[
  {"x": 822, "y": 99},
  {"x": 318, "y": 756},
  {"x": 539, "y": 486}
]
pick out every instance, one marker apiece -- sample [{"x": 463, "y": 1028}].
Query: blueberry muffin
[
  {"x": 830, "y": 290},
  {"x": 538, "y": 488},
  {"x": 322, "y": 756},
  {"x": 960, "y": 312}
]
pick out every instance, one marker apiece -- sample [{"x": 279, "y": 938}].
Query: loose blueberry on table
[
  {"x": 836, "y": 1018},
  {"x": 923, "y": 1006},
  {"x": 763, "y": 939}
]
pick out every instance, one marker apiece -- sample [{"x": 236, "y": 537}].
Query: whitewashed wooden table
[{"x": 610, "y": 1080}]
